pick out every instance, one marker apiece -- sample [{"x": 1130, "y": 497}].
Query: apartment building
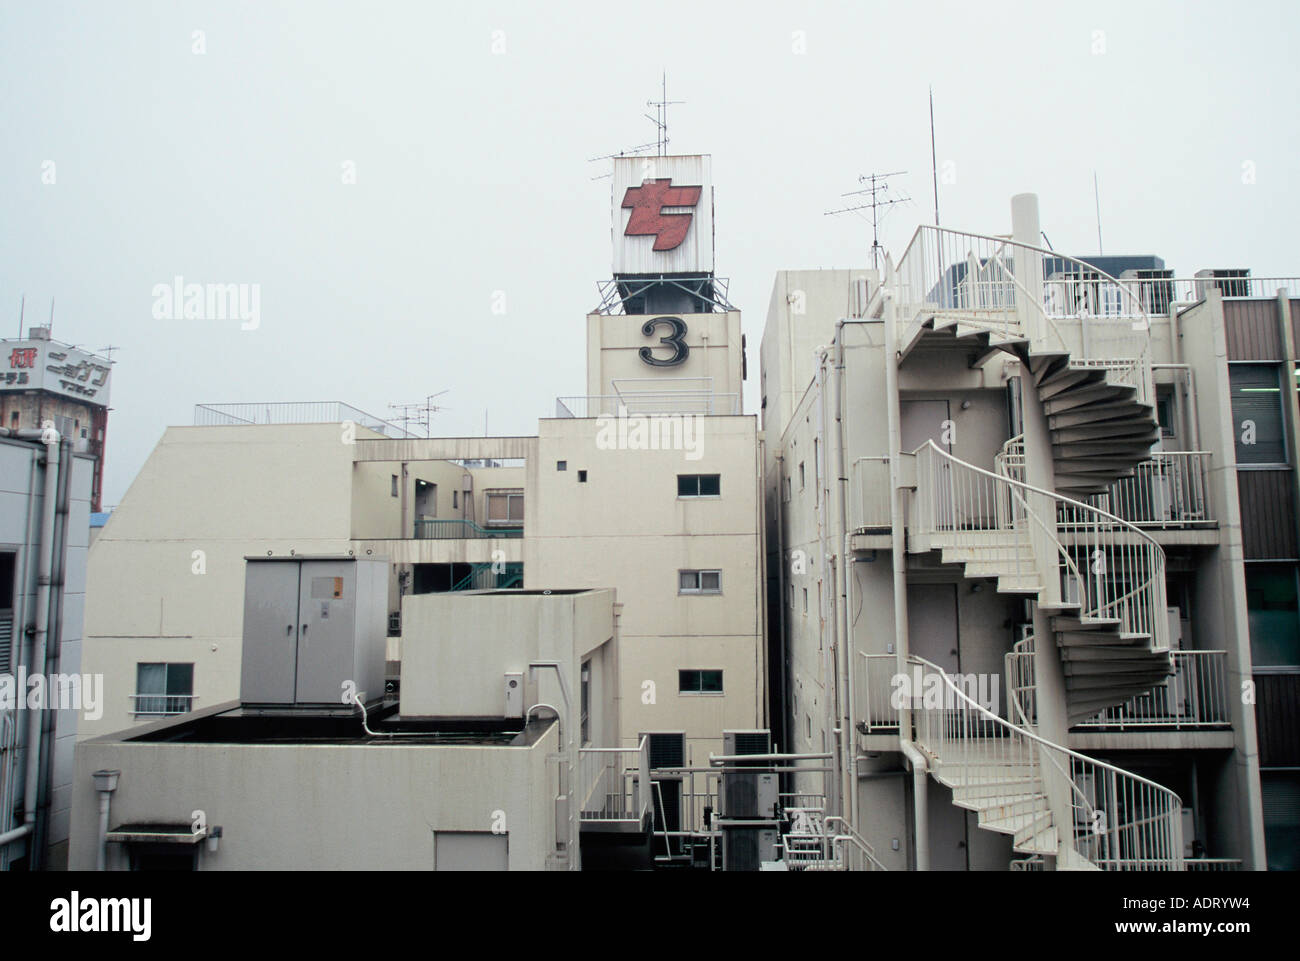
[{"x": 1013, "y": 601}]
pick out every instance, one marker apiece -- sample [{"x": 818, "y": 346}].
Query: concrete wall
[
  {"x": 323, "y": 807},
  {"x": 613, "y": 354},
  {"x": 625, "y": 527},
  {"x": 226, "y": 492}
]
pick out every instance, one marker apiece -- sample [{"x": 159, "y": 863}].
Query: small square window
[
  {"x": 394, "y": 485},
  {"x": 582, "y": 477},
  {"x": 699, "y": 682},
  {"x": 699, "y": 485},
  {"x": 699, "y": 582},
  {"x": 561, "y": 465}
]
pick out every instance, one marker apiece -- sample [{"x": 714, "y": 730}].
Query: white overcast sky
[{"x": 472, "y": 172}]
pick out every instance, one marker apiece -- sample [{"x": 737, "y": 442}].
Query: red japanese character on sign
[
  {"x": 23, "y": 357},
  {"x": 648, "y": 217}
]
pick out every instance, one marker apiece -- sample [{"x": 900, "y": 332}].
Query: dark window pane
[
  {"x": 1257, "y": 414},
  {"x": 1274, "y": 614},
  {"x": 711, "y": 681},
  {"x": 180, "y": 678},
  {"x": 688, "y": 681},
  {"x": 687, "y": 485},
  {"x": 710, "y": 484}
]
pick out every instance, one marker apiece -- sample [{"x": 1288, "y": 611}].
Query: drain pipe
[
  {"x": 50, "y": 438},
  {"x": 571, "y": 842},
  {"x": 105, "y": 784},
  {"x": 898, "y": 552}
]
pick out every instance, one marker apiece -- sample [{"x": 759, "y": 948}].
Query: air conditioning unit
[
  {"x": 748, "y": 794},
  {"x": 1154, "y": 288},
  {"x": 746, "y": 848},
  {"x": 1229, "y": 281}
]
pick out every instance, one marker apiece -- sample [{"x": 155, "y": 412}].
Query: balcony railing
[
  {"x": 1194, "y": 697},
  {"x": 161, "y": 705},
  {"x": 1167, "y": 491},
  {"x": 1213, "y": 864},
  {"x": 649, "y": 403},
  {"x": 870, "y": 507},
  {"x": 292, "y": 412},
  {"x": 614, "y": 785},
  {"x": 458, "y": 529},
  {"x": 872, "y": 693},
  {"x": 1100, "y": 296}
]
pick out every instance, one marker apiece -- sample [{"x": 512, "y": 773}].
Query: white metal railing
[
  {"x": 1167, "y": 491},
  {"x": 870, "y": 507},
  {"x": 1120, "y": 821},
  {"x": 873, "y": 692},
  {"x": 1022, "y": 694},
  {"x": 816, "y": 842},
  {"x": 1112, "y": 569},
  {"x": 161, "y": 705},
  {"x": 614, "y": 783},
  {"x": 1158, "y": 294},
  {"x": 976, "y": 277},
  {"x": 1213, "y": 864},
  {"x": 1195, "y": 696},
  {"x": 649, "y": 403}
]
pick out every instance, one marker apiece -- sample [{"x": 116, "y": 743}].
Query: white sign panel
[
  {"x": 46, "y": 365},
  {"x": 663, "y": 215}
]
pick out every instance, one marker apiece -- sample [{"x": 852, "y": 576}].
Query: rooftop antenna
[
  {"x": 420, "y": 413},
  {"x": 934, "y": 164},
  {"x": 660, "y": 119},
  {"x": 108, "y": 352},
  {"x": 879, "y": 199},
  {"x": 22, "y": 309},
  {"x": 1096, "y": 196}
]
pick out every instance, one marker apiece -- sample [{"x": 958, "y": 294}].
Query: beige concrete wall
[
  {"x": 165, "y": 579},
  {"x": 614, "y": 343},
  {"x": 625, "y": 527},
  {"x": 323, "y": 807}
]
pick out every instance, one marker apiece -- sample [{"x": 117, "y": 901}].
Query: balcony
[
  {"x": 1167, "y": 492},
  {"x": 460, "y": 529},
  {"x": 1194, "y": 698},
  {"x": 161, "y": 705},
  {"x": 869, "y": 509},
  {"x": 613, "y": 788}
]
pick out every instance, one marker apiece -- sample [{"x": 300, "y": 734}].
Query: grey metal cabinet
[{"x": 313, "y": 626}]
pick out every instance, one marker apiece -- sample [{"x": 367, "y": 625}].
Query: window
[
  {"x": 699, "y": 582},
  {"x": 785, "y": 489},
  {"x": 699, "y": 682},
  {"x": 394, "y": 485},
  {"x": 455, "y": 500},
  {"x": 1280, "y": 792},
  {"x": 582, "y": 477},
  {"x": 801, "y": 476},
  {"x": 805, "y": 600},
  {"x": 561, "y": 465},
  {"x": 505, "y": 506},
  {"x": 7, "y": 571},
  {"x": 699, "y": 485},
  {"x": 817, "y": 470},
  {"x": 1274, "y": 615},
  {"x": 163, "y": 689},
  {"x": 1258, "y": 429},
  {"x": 1165, "y": 414},
  {"x": 586, "y": 703}
]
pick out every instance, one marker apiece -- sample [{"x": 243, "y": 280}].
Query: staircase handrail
[{"x": 1055, "y": 752}]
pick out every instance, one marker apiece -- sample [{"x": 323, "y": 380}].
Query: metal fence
[
  {"x": 614, "y": 783},
  {"x": 1196, "y": 696},
  {"x": 292, "y": 412},
  {"x": 1167, "y": 491},
  {"x": 700, "y": 403},
  {"x": 427, "y": 529}
]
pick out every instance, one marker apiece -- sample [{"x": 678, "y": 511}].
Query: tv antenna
[
  {"x": 107, "y": 352},
  {"x": 880, "y": 199},
  {"x": 420, "y": 413},
  {"x": 660, "y": 120}
]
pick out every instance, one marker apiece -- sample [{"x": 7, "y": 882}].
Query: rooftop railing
[
  {"x": 614, "y": 784},
  {"x": 699, "y": 403},
  {"x": 293, "y": 412}
]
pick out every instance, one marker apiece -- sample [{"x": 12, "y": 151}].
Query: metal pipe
[
  {"x": 898, "y": 547},
  {"x": 571, "y": 845},
  {"x": 50, "y": 438},
  {"x": 844, "y": 574}
]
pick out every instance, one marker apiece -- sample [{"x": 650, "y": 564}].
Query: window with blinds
[{"x": 1258, "y": 427}]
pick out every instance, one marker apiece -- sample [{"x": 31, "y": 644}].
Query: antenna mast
[
  {"x": 660, "y": 119},
  {"x": 879, "y": 199}
]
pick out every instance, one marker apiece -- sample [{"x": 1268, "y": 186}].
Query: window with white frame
[
  {"x": 162, "y": 689},
  {"x": 699, "y": 582}
]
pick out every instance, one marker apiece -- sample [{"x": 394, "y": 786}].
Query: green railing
[
  {"x": 482, "y": 577},
  {"x": 446, "y": 530}
]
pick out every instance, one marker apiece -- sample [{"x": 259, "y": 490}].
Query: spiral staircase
[{"x": 1100, "y": 580}]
